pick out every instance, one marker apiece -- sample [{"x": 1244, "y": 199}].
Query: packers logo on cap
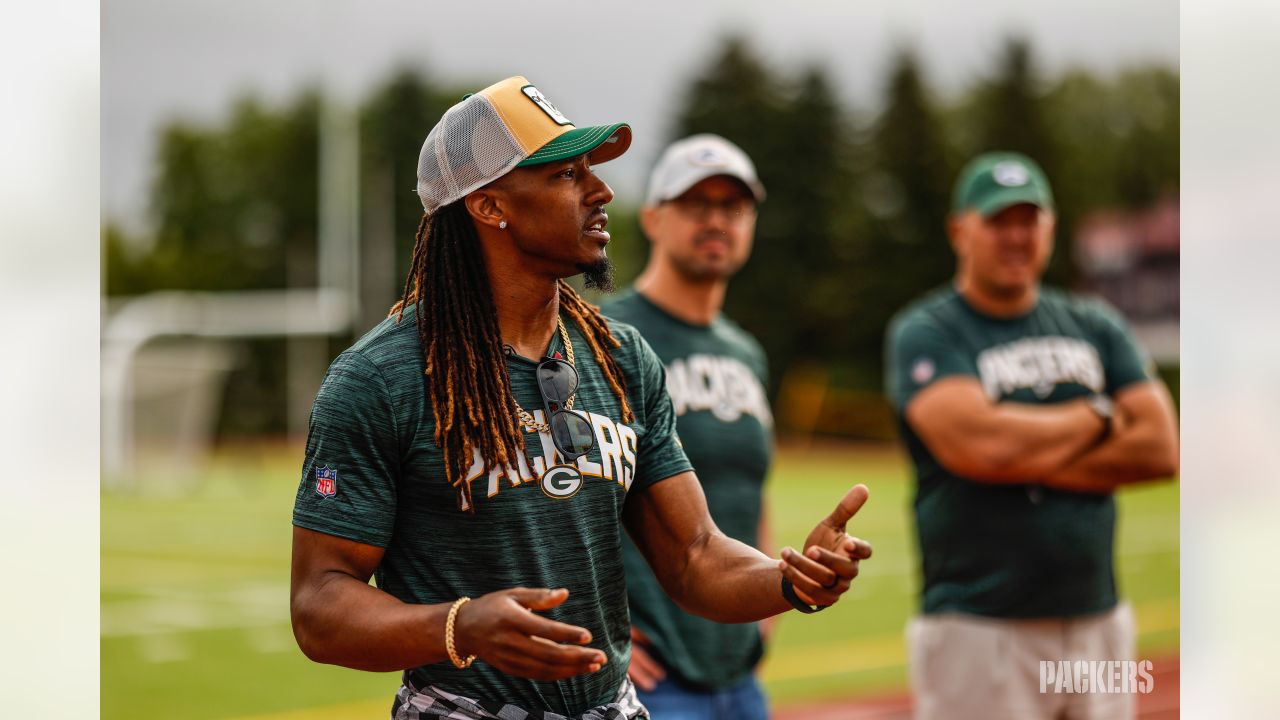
[
  {"x": 994, "y": 181},
  {"x": 541, "y": 101},
  {"x": 1010, "y": 174}
]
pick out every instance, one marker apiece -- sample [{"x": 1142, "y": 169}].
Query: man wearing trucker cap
[
  {"x": 476, "y": 452},
  {"x": 699, "y": 217},
  {"x": 1023, "y": 408}
]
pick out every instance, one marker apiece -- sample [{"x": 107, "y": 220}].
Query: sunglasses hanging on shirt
[{"x": 571, "y": 433}]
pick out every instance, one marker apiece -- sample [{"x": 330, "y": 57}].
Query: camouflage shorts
[{"x": 414, "y": 703}]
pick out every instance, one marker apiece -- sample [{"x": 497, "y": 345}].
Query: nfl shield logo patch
[{"x": 326, "y": 481}]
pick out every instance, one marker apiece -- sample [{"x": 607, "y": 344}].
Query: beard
[
  {"x": 696, "y": 272},
  {"x": 696, "y": 269},
  {"x": 598, "y": 275}
]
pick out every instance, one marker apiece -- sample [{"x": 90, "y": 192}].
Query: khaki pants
[{"x": 968, "y": 666}]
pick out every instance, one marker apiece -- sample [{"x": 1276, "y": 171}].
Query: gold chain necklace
[{"x": 526, "y": 420}]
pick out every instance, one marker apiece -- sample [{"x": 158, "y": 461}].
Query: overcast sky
[{"x": 599, "y": 61}]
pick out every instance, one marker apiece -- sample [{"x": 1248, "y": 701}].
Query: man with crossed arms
[{"x": 1024, "y": 409}]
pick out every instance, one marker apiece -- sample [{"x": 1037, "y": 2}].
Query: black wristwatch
[
  {"x": 1104, "y": 408},
  {"x": 789, "y": 592}
]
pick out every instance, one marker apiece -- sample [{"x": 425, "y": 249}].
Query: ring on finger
[{"x": 834, "y": 582}]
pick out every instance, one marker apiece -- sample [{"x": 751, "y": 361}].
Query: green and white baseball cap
[
  {"x": 687, "y": 162},
  {"x": 506, "y": 125},
  {"x": 994, "y": 181}
]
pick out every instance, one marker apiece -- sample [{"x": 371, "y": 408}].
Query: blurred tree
[
  {"x": 1085, "y": 115},
  {"x": 853, "y": 228},
  {"x": 1119, "y": 138},
  {"x": 125, "y": 268},
  {"x": 798, "y": 139},
  {"x": 234, "y": 208},
  {"x": 736, "y": 97},
  {"x": 908, "y": 195},
  {"x": 1009, "y": 112},
  {"x": 394, "y": 121},
  {"x": 1149, "y": 160}
]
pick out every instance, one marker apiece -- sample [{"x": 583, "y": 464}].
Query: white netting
[
  {"x": 469, "y": 147},
  {"x": 176, "y": 388}
]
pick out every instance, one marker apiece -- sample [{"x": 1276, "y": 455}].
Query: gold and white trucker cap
[
  {"x": 687, "y": 162},
  {"x": 506, "y": 125}
]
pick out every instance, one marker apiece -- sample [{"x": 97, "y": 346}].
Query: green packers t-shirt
[
  {"x": 373, "y": 474},
  {"x": 1014, "y": 551},
  {"x": 716, "y": 376}
]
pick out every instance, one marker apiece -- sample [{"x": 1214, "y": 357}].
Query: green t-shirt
[
  {"x": 374, "y": 474},
  {"x": 716, "y": 376},
  {"x": 1014, "y": 551}
]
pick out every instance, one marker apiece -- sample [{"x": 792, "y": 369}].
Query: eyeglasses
[
  {"x": 571, "y": 433},
  {"x": 700, "y": 208}
]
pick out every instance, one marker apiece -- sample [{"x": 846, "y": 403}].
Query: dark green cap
[
  {"x": 994, "y": 181},
  {"x": 602, "y": 142}
]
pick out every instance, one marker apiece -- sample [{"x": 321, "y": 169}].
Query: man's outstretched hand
[
  {"x": 503, "y": 629},
  {"x": 830, "y": 559}
]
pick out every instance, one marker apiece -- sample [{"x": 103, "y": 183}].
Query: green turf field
[{"x": 195, "y": 618}]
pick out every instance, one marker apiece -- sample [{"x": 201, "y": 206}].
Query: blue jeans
[{"x": 669, "y": 701}]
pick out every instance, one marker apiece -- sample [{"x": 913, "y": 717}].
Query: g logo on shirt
[
  {"x": 616, "y": 445},
  {"x": 561, "y": 482}
]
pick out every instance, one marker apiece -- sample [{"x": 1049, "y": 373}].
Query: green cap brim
[
  {"x": 603, "y": 142},
  {"x": 1008, "y": 197}
]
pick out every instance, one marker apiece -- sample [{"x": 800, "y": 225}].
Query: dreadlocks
[{"x": 462, "y": 346}]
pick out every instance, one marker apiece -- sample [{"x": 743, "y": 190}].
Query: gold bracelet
[{"x": 448, "y": 635}]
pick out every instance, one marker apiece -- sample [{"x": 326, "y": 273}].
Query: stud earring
[{"x": 502, "y": 224}]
